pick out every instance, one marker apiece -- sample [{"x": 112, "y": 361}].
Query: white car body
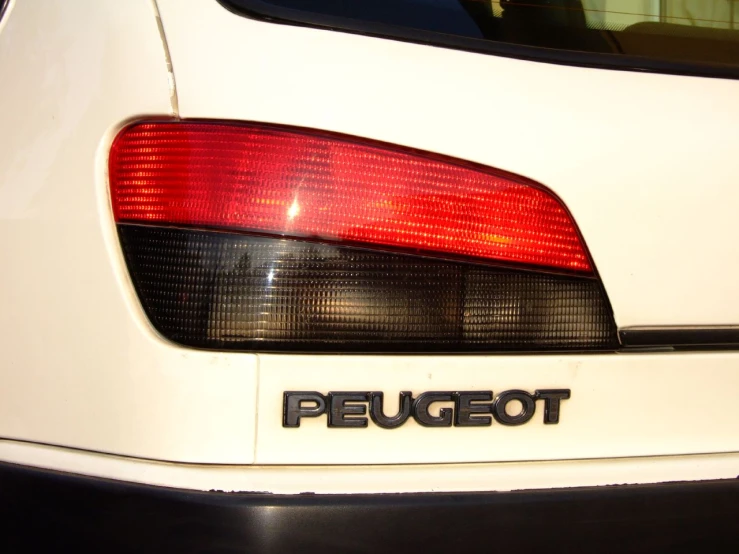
[{"x": 646, "y": 163}]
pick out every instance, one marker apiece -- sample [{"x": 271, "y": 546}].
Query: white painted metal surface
[
  {"x": 621, "y": 405},
  {"x": 645, "y": 163},
  {"x": 81, "y": 367}
]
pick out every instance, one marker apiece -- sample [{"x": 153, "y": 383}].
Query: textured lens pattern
[
  {"x": 270, "y": 180},
  {"x": 221, "y": 290}
]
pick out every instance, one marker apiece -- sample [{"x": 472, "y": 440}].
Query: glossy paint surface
[
  {"x": 80, "y": 365},
  {"x": 645, "y": 164}
]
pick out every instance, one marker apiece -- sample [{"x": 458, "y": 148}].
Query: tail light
[{"x": 256, "y": 237}]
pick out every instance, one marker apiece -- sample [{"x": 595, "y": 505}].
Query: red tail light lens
[
  {"x": 270, "y": 180},
  {"x": 257, "y": 237}
]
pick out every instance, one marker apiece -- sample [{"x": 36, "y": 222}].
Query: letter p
[{"x": 301, "y": 404}]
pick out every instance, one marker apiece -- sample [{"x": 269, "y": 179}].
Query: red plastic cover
[{"x": 294, "y": 183}]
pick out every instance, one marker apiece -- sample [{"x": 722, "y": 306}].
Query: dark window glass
[{"x": 693, "y": 36}]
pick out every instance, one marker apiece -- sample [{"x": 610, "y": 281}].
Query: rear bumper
[{"x": 42, "y": 509}]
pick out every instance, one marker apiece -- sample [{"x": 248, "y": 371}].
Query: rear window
[{"x": 676, "y": 36}]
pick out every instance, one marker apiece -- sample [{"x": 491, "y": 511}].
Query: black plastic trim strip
[
  {"x": 46, "y": 511},
  {"x": 256, "y": 9},
  {"x": 724, "y": 336}
]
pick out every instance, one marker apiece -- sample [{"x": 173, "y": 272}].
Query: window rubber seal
[{"x": 264, "y": 11}]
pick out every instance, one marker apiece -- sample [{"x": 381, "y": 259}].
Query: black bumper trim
[{"x": 54, "y": 512}]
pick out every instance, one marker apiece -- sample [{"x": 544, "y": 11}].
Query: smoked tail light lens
[
  {"x": 254, "y": 237},
  {"x": 223, "y": 290}
]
